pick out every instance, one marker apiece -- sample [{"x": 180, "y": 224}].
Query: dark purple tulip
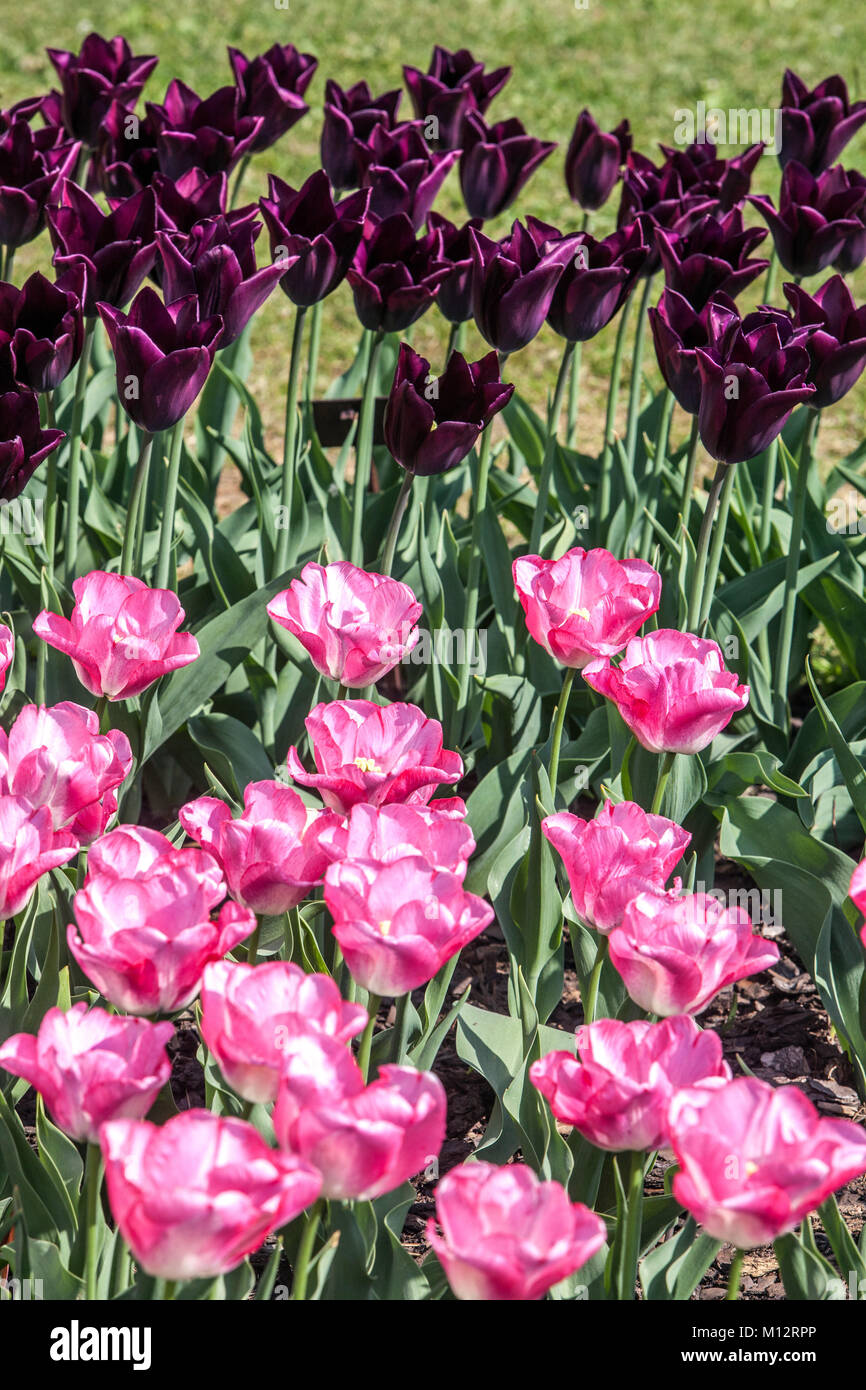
[
  {"x": 752, "y": 377},
  {"x": 700, "y": 170},
  {"x": 677, "y": 331},
  {"x": 42, "y": 329},
  {"x": 853, "y": 253},
  {"x": 496, "y": 162},
  {"x": 431, "y": 424},
  {"x": 455, "y": 293},
  {"x": 594, "y": 160},
  {"x": 350, "y": 119},
  {"x": 596, "y": 281},
  {"x": 514, "y": 281},
  {"x": 216, "y": 262},
  {"x": 117, "y": 250},
  {"x": 125, "y": 158},
  {"x": 272, "y": 86},
  {"x": 395, "y": 275},
  {"x": 453, "y": 84},
  {"x": 23, "y": 443},
  {"x": 26, "y": 109},
  {"x": 817, "y": 124},
  {"x": 403, "y": 173},
  {"x": 208, "y": 134},
  {"x": 711, "y": 258},
  {"x": 314, "y": 240},
  {"x": 194, "y": 197},
  {"x": 28, "y": 183},
  {"x": 163, "y": 354},
  {"x": 837, "y": 346},
  {"x": 656, "y": 197},
  {"x": 816, "y": 217},
  {"x": 105, "y": 70}
]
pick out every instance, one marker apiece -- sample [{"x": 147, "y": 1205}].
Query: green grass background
[{"x": 637, "y": 58}]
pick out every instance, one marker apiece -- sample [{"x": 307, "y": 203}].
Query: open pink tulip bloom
[
  {"x": 355, "y": 626},
  {"x": 55, "y": 756},
  {"x": 672, "y": 689},
  {"x": 611, "y": 859},
  {"x": 397, "y": 921},
  {"x": 122, "y": 636},
  {"x": 617, "y": 1092},
  {"x": 587, "y": 604},
  {"x": 90, "y": 1066},
  {"x": 676, "y": 952},
  {"x": 197, "y": 1195},
  {"x": 271, "y": 856},
  {"x": 374, "y": 753},
  {"x": 438, "y": 833},
  {"x": 755, "y": 1159},
  {"x": 364, "y": 1140},
  {"x": 29, "y": 847},
  {"x": 250, "y": 1013},
  {"x": 145, "y": 932},
  {"x": 508, "y": 1236}
]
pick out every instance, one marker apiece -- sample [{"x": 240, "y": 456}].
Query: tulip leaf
[
  {"x": 232, "y": 750},
  {"x": 851, "y": 768},
  {"x": 805, "y": 1273},
  {"x": 674, "y": 1269}
]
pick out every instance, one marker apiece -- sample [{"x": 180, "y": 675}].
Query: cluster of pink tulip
[{"x": 155, "y": 925}]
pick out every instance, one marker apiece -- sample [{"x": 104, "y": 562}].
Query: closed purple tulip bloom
[
  {"x": 837, "y": 346},
  {"x": 29, "y": 179},
  {"x": 105, "y": 70},
  {"x": 395, "y": 275},
  {"x": 752, "y": 377},
  {"x": 431, "y": 425},
  {"x": 699, "y": 169},
  {"x": 853, "y": 252},
  {"x": 272, "y": 86},
  {"x": 163, "y": 353},
  {"x": 403, "y": 173},
  {"x": 312, "y": 238},
  {"x": 514, "y": 281},
  {"x": 815, "y": 219},
  {"x": 125, "y": 158},
  {"x": 217, "y": 263},
  {"x": 455, "y": 293},
  {"x": 817, "y": 124},
  {"x": 41, "y": 329},
  {"x": 657, "y": 198},
  {"x": 194, "y": 197},
  {"x": 496, "y": 162},
  {"x": 23, "y": 443},
  {"x": 209, "y": 134},
  {"x": 677, "y": 331},
  {"x": 116, "y": 249},
  {"x": 596, "y": 281},
  {"x": 350, "y": 119},
  {"x": 710, "y": 258},
  {"x": 594, "y": 160},
  {"x": 453, "y": 84}
]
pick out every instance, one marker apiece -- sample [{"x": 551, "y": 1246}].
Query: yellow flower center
[
  {"x": 579, "y": 613},
  {"x": 385, "y": 927},
  {"x": 367, "y": 765},
  {"x": 750, "y": 1168}
]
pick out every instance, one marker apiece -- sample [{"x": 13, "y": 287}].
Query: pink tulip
[
  {"x": 441, "y": 836},
  {"x": 364, "y": 1140},
  {"x": 587, "y": 604},
  {"x": 374, "y": 753},
  {"x": 676, "y": 952},
  {"x": 29, "y": 847},
  {"x": 90, "y": 1066},
  {"x": 355, "y": 626},
  {"x": 272, "y": 855},
  {"x": 611, "y": 859},
  {"x": 858, "y": 893},
  {"x": 672, "y": 690},
  {"x": 249, "y": 1014},
  {"x": 755, "y": 1160},
  {"x": 145, "y": 932},
  {"x": 195, "y": 1196},
  {"x": 506, "y": 1235},
  {"x": 618, "y": 1093},
  {"x": 55, "y": 756},
  {"x": 397, "y": 921},
  {"x": 7, "y": 652},
  {"x": 122, "y": 636}
]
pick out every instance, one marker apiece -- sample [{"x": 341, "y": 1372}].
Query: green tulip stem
[
  {"x": 73, "y": 483},
  {"x": 135, "y": 515},
  {"x": 558, "y": 726},
  {"x": 717, "y": 546},
  {"x": 767, "y": 496},
  {"x": 630, "y": 1250},
  {"x": 364, "y": 451},
  {"x": 290, "y": 435},
  {"x": 689, "y": 478},
  {"x": 165, "y": 579},
  {"x": 373, "y": 1003},
  {"x": 573, "y": 397},
  {"x": 553, "y": 415},
  {"x": 666, "y": 762},
  {"x": 661, "y": 450},
  {"x": 395, "y": 524},
  {"x": 789, "y": 602},
  {"x": 305, "y": 1251},
  {"x": 313, "y": 351},
  {"x": 702, "y": 556},
  {"x": 734, "y": 1277},
  {"x": 590, "y": 1003},
  {"x": 470, "y": 606},
  {"x": 239, "y": 178},
  {"x": 92, "y": 1187},
  {"x": 637, "y": 373},
  {"x": 610, "y": 418},
  {"x": 50, "y": 491}
]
